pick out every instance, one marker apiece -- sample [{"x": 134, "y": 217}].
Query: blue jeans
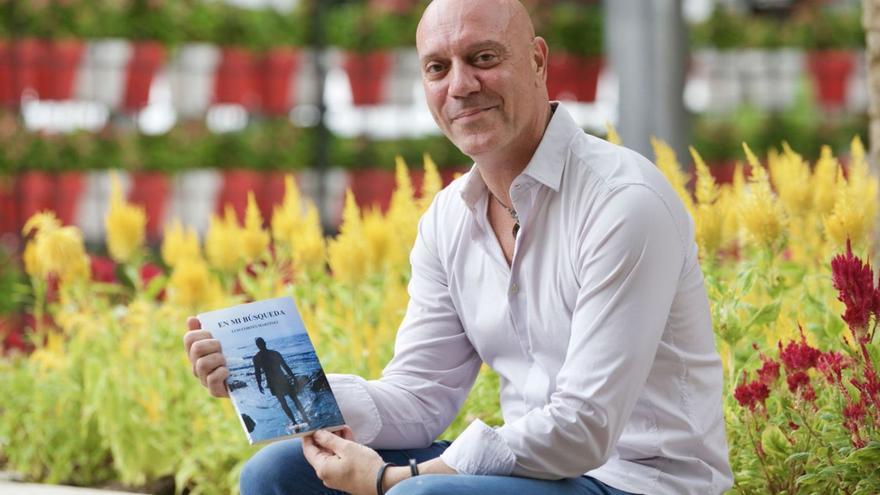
[{"x": 281, "y": 469}]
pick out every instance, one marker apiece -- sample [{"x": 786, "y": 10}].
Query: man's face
[{"x": 479, "y": 72}]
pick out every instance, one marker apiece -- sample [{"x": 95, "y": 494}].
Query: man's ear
[{"x": 540, "y": 54}]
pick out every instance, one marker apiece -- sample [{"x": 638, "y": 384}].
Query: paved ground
[{"x": 12, "y": 488}]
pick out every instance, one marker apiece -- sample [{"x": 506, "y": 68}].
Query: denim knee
[
  {"x": 279, "y": 469},
  {"x": 430, "y": 484}
]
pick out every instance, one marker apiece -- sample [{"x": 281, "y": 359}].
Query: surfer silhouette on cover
[{"x": 281, "y": 384}]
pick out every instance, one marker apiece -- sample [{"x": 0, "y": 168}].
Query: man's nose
[{"x": 463, "y": 80}]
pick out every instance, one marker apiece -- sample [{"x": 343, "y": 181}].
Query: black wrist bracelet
[
  {"x": 413, "y": 468},
  {"x": 379, "y": 475}
]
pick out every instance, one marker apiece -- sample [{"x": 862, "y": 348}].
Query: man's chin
[{"x": 474, "y": 145}]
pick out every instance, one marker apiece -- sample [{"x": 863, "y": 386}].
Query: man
[
  {"x": 566, "y": 264},
  {"x": 280, "y": 384}
]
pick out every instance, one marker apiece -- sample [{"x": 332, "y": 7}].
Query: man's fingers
[
  {"x": 310, "y": 451},
  {"x": 204, "y": 347},
  {"x": 345, "y": 432},
  {"x": 193, "y": 323},
  {"x": 317, "y": 457},
  {"x": 193, "y": 336},
  {"x": 205, "y": 354},
  {"x": 330, "y": 441},
  {"x": 325, "y": 463},
  {"x": 205, "y": 365},
  {"x": 216, "y": 382}
]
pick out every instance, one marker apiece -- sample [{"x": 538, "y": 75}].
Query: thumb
[
  {"x": 330, "y": 441},
  {"x": 193, "y": 323}
]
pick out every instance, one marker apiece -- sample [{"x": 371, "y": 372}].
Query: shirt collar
[{"x": 546, "y": 165}]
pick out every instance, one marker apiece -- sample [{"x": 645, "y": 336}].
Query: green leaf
[
  {"x": 155, "y": 286},
  {"x": 774, "y": 442},
  {"x": 797, "y": 456},
  {"x": 766, "y": 315},
  {"x": 746, "y": 280}
]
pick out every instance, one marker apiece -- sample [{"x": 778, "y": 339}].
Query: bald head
[
  {"x": 507, "y": 17},
  {"x": 484, "y": 74}
]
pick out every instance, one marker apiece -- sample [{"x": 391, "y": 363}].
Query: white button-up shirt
[{"x": 599, "y": 329}]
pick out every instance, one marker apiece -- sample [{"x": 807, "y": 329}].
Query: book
[{"x": 276, "y": 382}]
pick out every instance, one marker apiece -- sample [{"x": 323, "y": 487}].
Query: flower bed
[{"x": 108, "y": 393}]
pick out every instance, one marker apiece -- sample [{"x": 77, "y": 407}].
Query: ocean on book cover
[{"x": 275, "y": 379}]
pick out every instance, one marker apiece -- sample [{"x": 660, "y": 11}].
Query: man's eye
[
  {"x": 486, "y": 58},
  {"x": 433, "y": 68}
]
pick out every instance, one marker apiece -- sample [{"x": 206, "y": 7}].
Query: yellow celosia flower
[
  {"x": 709, "y": 213},
  {"x": 32, "y": 265},
  {"x": 791, "y": 178},
  {"x": 286, "y": 218},
  {"x": 403, "y": 194},
  {"x": 431, "y": 185},
  {"x": 80, "y": 267},
  {"x": 41, "y": 221},
  {"x": 709, "y": 229},
  {"x": 347, "y": 253},
  {"x": 739, "y": 179},
  {"x": 51, "y": 355},
  {"x": 706, "y": 190},
  {"x": 861, "y": 183},
  {"x": 223, "y": 242},
  {"x": 824, "y": 183},
  {"x": 729, "y": 216},
  {"x": 55, "y": 249},
  {"x": 179, "y": 244},
  {"x": 402, "y": 221},
  {"x": 666, "y": 161},
  {"x": 855, "y": 206},
  {"x": 125, "y": 225},
  {"x": 378, "y": 239},
  {"x": 307, "y": 243},
  {"x": 612, "y": 135},
  {"x": 153, "y": 407},
  {"x": 192, "y": 286},
  {"x": 761, "y": 216},
  {"x": 254, "y": 240},
  {"x": 847, "y": 221}
]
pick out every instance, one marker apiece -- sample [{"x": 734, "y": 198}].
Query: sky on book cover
[{"x": 307, "y": 393}]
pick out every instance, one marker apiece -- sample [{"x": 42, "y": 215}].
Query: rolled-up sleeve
[
  {"x": 629, "y": 258},
  {"x": 434, "y": 364}
]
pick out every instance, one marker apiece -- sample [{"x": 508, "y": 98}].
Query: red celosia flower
[
  {"x": 872, "y": 384},
  {"x": 751, "y": 394},
  {"x": 797, "y": 380},
  {"x": 853, "y": 413},
  {"x": 149, "y": 271},
  {"x": 769, "y": 372},
  {"x": 854, "y": 281},
  {"x": 743, "y": 394},
  {"x": 808, "y": 393},
  {"x": 831, "y": 364},
  {"x": 869, "y": 388},
  {"x": 103, "y": 269},
  {"x": 798, "y": 356}
]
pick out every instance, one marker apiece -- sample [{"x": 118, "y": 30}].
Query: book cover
[{"x": 275, "y": 382}]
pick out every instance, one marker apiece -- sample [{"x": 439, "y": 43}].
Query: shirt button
[{"x": 514, "y": 289}]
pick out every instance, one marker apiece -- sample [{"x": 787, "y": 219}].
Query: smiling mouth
[{"x": 471, "y": 113}]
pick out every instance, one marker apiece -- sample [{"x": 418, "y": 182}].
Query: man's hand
[
  {"x": 341, "y": 463},
  {"x": 208, "y": 363}
]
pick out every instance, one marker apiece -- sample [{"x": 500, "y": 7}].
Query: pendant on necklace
[{"x": 515, "y": 229}]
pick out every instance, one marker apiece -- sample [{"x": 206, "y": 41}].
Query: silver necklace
[{"x": 512, "y": 213}]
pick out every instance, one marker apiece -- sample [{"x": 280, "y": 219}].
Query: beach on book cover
[{"x": 267, "y": 348}]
